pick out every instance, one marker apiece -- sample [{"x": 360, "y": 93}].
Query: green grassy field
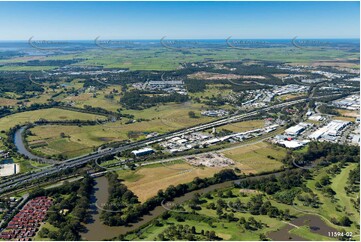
[
  {"x": 98, "y": 100},
  {"x": 82, "y": 139},
  {"x": 26, "y": 68},
  {"x": 243, "y": 126},
  {"x": 258, "y": 157},
  {"x": 172, "y": 113},
  {"x": 50, "y": 114},
  {"x": 49, "y": 227},
  {"x": 224, "y": 229},
  {"x": 213, "y": 90},
  {"x": 164, "y": 59},
  {"x": 146, "y": 181},
  {"x": 334, "y": 208},
  {"x": 227, "y": 230},
  {"x": 230, "y": 230}
]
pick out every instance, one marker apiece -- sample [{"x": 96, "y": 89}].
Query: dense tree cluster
[
  {"x": 138, "y": 100},
  {"x": 272, "y": 184},
  {"x": 194, "y": 86},
  {"x": 328, "y": 110},
  {"x": 47, "y": 62},
  {"x": 251, "y": 223},
  {"x": 309, "y": 199},
  {"x": 186, "y": 232},
  {"x": 256, "y": 206},
  {"x": 353, "y": 186},
  {"x": 353, "y": 180},
  {"x": 5, "y": 110},
  {"x": 343, "y": 221},
  {"x": 17, "y": 83},
  {"x": 325, "y": 153},
  {"x": 122, "y": 205}
]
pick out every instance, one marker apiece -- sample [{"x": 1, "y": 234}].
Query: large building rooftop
[
  {"x": 143, "y": 151},
  {"x": 297, "y": 129}
]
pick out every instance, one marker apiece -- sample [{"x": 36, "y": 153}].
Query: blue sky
[{"x": 193, "y": 20}]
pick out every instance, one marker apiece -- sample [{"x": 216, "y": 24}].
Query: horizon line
[{"x": 235, "y": 38}]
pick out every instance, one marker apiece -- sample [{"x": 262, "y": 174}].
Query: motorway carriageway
[{"x": 12, "y": 182}]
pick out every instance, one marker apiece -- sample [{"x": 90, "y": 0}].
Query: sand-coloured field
[{"x": 146, "y": 182}]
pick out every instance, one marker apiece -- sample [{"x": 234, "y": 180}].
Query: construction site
[{"x": 210, "y": 160}]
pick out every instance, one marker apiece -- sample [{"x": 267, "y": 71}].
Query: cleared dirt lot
[
  {"x": 7, "y": 102},
  {"x": 349, "y": 113}
]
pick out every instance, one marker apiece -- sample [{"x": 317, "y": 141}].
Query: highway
[{"x": 11, "y": 183}]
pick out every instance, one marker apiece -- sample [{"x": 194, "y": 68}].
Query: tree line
[
  {"x": 128, "y": 209},
  {"x": 137, "y": 99}
]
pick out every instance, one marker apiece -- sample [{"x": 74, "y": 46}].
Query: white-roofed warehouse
[
  {"x": 297, "y": 129},
  {"x": 144, "y": 151}
]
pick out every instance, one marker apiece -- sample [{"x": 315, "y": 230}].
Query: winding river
[
  {"x": 96, "y": 230},
  {"x": 21, "y": 148}
]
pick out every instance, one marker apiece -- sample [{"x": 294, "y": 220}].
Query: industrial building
[
  {"x": 351, "y": 102},
  {"x": 141, "y": 152},
  {"x": 297, "y": 129},
  {"x": 335, "y": 126},
  {"x": 289, "y": 142},
  {"x": 4, "y": 154},
  {"x": 199, "y": 140},
  {"x": 169, "y": 86},
  {"x": 215, "y": 113},
  {"x": 316, "y": 118},
  {"x": 293, "y": 144},
  {"x": 355, "y": 139},
  {"x": 330, "y": 131}
]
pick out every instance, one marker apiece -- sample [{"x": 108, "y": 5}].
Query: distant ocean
[{"x": 205, "y": 43}]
